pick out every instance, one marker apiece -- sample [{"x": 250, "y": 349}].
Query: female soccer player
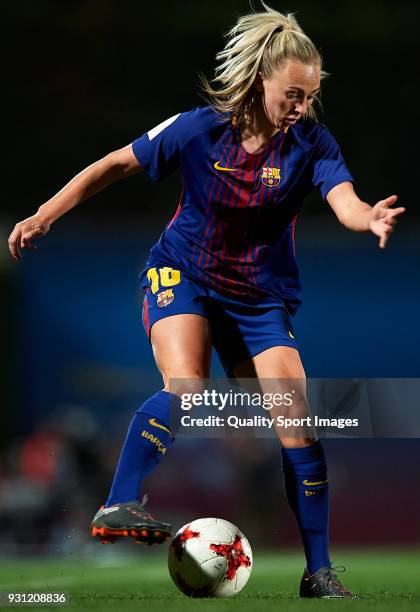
[{"x": 224, "y": 272}]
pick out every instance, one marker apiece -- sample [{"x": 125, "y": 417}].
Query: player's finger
[
  {"x": 28, "y": 245},
  {"x": 27, "y": 237},
  {"x": 384, "y": 238},
  {"x": 397, "y": 211},
  {"x": 15, "y": 252},
  {"x": 387, "y": 202},
  {"x": 13, "y": 246},
  {"x": 35, "y": 231}
]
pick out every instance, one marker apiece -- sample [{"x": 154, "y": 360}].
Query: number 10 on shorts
[{"x": 163, "y": 277}]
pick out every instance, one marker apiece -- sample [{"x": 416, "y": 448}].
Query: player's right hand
[{"x": 24, "y": 232}]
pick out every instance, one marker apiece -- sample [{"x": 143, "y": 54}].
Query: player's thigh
[
  {"x": 182, "y": 347},
  {"x": 280, "y": 371},
  {"x": 175, "y": 320},
  {"x": 281, "y": 362}
]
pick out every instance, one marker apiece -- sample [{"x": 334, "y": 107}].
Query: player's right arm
[{"x": 93, "y": 179}]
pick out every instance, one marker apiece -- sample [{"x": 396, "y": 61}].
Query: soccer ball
[{"x": 210, "y": 557}]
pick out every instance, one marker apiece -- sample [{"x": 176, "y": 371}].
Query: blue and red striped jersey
[{"x": 233, "y": 230}]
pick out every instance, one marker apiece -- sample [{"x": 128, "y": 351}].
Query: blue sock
[
  {"x": 305, "y": 475},
  {"x": 147, "y": 440}
]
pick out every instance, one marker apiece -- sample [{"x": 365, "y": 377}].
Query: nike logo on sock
[
  {"x": 154, "y": 423},
  {"x": 313, "y": 484}
]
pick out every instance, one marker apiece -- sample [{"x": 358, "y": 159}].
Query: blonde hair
[{"x": 259, "y": 42}]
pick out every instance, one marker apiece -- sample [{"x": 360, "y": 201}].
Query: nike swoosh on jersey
[
  {"x": 313, "y": 484},
  {"x": 219, "y": 167},
  {"x": 291, "y": 335},
  {"x": 154, "y": 423}
]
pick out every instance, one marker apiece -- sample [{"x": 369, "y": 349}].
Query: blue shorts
[{"x": 239, "y": 330}]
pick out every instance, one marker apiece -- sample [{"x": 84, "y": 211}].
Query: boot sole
[{"x": 140, "y": 536}]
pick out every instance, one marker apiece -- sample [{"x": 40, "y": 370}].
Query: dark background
[{"x": 83, "y": 78}]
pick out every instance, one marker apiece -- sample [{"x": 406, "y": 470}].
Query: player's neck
[{"x": 257, "y": 130}]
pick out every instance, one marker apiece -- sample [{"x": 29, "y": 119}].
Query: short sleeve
[
  {"x": 158, "y": 150},
  {"x": 329, "y": 166}
]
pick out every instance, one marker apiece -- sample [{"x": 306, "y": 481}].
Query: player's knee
[
  {"x": 288, "y": 442},
  {"x": 185, "y": 381}
]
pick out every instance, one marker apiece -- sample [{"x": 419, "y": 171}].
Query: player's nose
[{"x": 301, "y": 107}]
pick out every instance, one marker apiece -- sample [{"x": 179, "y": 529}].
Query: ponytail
[{"x": 259, "y": 42}]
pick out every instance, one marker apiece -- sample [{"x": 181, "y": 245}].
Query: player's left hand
[{"x": 383, "y": 219}]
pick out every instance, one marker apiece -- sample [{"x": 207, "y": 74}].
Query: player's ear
[{"x": 259, "y": 82}]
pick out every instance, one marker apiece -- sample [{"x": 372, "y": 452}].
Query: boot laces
[
  {"x": 330, "y": 574},
  {"x": 140, "y": 511},
  {"x": 144, "y": 501}
]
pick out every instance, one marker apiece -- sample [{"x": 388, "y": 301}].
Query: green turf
[{"x": 387, "y": 580}]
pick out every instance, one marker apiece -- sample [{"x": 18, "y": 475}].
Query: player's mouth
[{"x": 293, "y": 119}]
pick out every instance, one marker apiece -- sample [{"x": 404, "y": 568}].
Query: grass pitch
[{"x": 386, "y": 579}]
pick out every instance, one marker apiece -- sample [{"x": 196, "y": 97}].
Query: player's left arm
[{"x": 359, "y": 216}]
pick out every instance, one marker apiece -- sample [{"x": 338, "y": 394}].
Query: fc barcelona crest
[
  {"x": 270, "y": 176},
  {"x": 164, "y": 298}
]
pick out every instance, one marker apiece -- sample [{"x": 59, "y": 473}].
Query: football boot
[
  {"x": 324, "y": 584},
  {"x": 128, "y": 520}
]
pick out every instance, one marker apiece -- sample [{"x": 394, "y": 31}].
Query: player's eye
[{"x": 292, "y": 94}]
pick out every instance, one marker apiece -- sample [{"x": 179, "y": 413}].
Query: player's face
[{"x": 289, "y": 92}]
